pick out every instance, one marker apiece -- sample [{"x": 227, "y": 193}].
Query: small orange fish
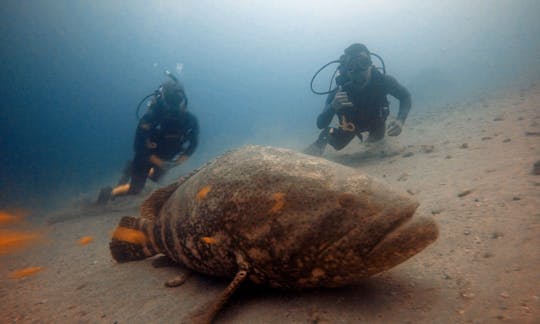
[
  {"x": 13, "y": 240},
  {"x": 8, "y": 218},
  {"x": 279, "y": 197},
  {"x": 21, "y": 273},
  {"x": 85, "y": 240},
  {"x": 209, "y": 240},
  {"x": 203, "y": 192},
  {"x": 129, "y": 235}
]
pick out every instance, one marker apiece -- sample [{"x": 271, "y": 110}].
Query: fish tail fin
[{"x": 129, "y": 241}]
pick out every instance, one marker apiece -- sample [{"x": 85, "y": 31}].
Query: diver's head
[
  {"x": 356, "y": 64},
  {"x": 173, "y": 95}
]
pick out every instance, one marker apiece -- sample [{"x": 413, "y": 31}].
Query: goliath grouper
[{"x": 276, "y": 217}]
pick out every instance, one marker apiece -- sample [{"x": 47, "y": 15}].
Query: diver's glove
[
  {"x": 394, "y": 128},
  {"x": 160, "y": 163},
  {"x": 341, "y": 101},
  {"x": 150, "y": 144}
]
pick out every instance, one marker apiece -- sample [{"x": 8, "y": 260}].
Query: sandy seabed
[{"x": 469, "y": 165}]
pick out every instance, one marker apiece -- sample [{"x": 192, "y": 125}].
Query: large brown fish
[{"x": 276, "y": 217}]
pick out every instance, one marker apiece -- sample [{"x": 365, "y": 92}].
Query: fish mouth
[{"x": 402, "y": 241}]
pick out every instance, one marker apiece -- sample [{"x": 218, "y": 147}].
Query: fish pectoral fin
[
  {"x": 207, "y": 313},
  {"x": 178, "y": 280}
]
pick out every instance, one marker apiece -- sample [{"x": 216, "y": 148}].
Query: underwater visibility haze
[{"x": 72, "y": 73}]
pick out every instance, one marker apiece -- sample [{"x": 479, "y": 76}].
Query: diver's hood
[{"x": 173, "y": 93}]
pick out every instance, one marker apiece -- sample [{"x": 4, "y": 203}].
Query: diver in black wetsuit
[
  {"x": 166, "y": 136},
  {"x": 360, "y": 103}
]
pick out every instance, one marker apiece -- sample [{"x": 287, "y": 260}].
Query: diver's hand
[
  {"x": 394, "y": 128},
  {"x": 341, "y": 101},
  {"x": 150, "y": 144},
  {"x": 160, "y": 163}
]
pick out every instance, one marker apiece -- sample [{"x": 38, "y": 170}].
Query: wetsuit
[
  {"x": 174, "y": 133},
  {"x": 369, "y": 111}
]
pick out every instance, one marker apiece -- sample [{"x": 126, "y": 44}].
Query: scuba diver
[
  {"x": 359, "y": 101},
  {"x": 166, "y": 136}
]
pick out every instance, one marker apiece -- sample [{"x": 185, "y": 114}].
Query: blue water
[{"x": 72, "y": 73}]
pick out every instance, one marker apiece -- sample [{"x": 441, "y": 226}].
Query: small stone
[
  {"x": 403, "y": 177},
  {"x": 527, "y": 133},
  {"x": 504, "y": 295},
  {"x": 506, "y": 140},
  {"x": 408, "y": 154},
  {"x": 436, "y": 211},
  {"x": 536, "y": 168},
  {"x": 465, "y": 193},
  {"x": 466, "y": 232},
  {"x": 486, "y": 138},
  {"x": 464, "y": 146},
  {"x": 488, "y": 255},
  {"x": 427, "y": 148},
  {"x": 81, "y": 286},
  {"x": 498, "y": 118},
  {"x": 516, "y": 198},
  {"x": 468, "y": 295},
  {"x": 448, "y": 157},
  {"x": 496, "y": 235}
]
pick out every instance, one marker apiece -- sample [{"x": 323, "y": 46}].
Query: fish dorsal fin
[{"x": 152, "y": 205}]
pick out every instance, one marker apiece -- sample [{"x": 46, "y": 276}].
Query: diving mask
[{"x": 359, "y": 62}]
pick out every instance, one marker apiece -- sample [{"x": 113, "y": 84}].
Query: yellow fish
[
  {"x": 21, "y": 273},
  {"x": 85, "y": 240},
  {"x": 203, "y": 192},
  {"x": 129, "y": 235},
  {"x": 9, "y": 218},
  {"x": 279, "y": 197},
  {"x": 14, "y": 240}
]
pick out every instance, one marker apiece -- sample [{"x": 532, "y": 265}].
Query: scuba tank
[
  {"x": 158, "y": 94},
  {"x": 342, "y": 61}
]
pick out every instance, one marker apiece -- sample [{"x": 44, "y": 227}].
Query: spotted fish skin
[{"x": 297, "y": 221}]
